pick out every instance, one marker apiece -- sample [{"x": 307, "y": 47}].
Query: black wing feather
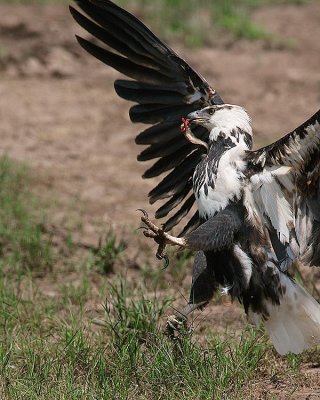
[
  {"x": 193, "y": 224},
  {"x": 165, "y": 89},
  {"x": 164, "y": 210},
  {"x": 182, "y": 212},
  {"x": 110, "y": 35},
  {"x": 176, "y": 179},
  {"x": 118, "y": 34},
  {"x": 145, "y": 94},
  {"x": 122, "y": 64},
  {"x": 164, "y": 164},
  {"x": 160, "y": 133},
  {"x": 154, "y": 113},
  {"x": 158, "y": 150}
]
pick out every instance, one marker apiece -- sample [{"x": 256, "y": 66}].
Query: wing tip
[{"x": 81, "y": 40}]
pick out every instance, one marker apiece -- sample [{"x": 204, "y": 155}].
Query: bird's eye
[{"x": 211, "y": 111}]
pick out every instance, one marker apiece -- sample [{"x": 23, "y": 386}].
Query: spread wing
[
  {"x": 286, "y": 183},
  {"x": 165, "y": 89}
]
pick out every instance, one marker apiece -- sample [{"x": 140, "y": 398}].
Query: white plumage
[
  {"x": 294, "y": 325},
  {"x": 271, "y": 202}
]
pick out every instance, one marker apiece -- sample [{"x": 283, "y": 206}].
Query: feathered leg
[
  {"x": 202, "y": 290},
  {"x": 215, "y": 234}
]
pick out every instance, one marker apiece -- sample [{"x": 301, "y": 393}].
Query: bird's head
[{"x": 226, "y": 120}]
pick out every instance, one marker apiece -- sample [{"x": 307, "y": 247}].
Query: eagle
[{"x": 258, "y": 211}]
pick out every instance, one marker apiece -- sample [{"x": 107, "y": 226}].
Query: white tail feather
[{"x": 294, "y": 325}]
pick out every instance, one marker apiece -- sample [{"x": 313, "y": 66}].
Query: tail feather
[{"x": 294, "y": 325}]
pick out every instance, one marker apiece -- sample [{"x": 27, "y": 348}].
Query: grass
[
  {"x": 108, "y": 251},
  {"x": 57, "y": 342},
  {"x": 197, "y": 22},
  {"x": 44, "y": 357},
  {"x": 21, "y": 241},
  {"x": 184, "y": 371}
]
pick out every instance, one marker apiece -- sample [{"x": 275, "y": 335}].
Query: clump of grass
[
  {"x": 130, "y": 313},
  {"x": 235, "y": 18},
  {"x": 107, "y": 253},
  {"x": 21, "y": 240}
]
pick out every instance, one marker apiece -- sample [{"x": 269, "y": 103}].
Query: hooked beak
[{"x": 197, "y": 118}]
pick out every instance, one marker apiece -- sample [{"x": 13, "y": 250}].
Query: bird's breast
[{"x": 218, "y": 182}]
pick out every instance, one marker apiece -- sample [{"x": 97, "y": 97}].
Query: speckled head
[{"x": 226, "y": 121}]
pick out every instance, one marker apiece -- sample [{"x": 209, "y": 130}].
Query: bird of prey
[{"x": 257, "y": 210}]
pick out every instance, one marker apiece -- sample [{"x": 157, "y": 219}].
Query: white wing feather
[{"x": 271, "y": 202}]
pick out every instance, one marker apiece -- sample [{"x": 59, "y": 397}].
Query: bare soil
[{"x": 59, "y": 113}]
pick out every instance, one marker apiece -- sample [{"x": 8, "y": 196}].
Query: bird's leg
[
  {"x": 203, "y": 287},
  {"x": 177, "y": 323},
  {"x": 161, "y": 237}
]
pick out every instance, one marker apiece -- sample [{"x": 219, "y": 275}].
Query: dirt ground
[{"x": 59, "y": 112}]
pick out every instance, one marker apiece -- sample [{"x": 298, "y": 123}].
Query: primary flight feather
[{"x": 258, "y": 211}]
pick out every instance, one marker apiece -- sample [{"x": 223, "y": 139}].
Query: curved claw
[
  {"x": 141, "y": 227},
  {"x": 144, "y": 212},
  {"x": 161, "y": 255},
  {"x": 154, "y": 232},
  {"x": 166, "y": 261},
  {"x": 165, "y": 258}
]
